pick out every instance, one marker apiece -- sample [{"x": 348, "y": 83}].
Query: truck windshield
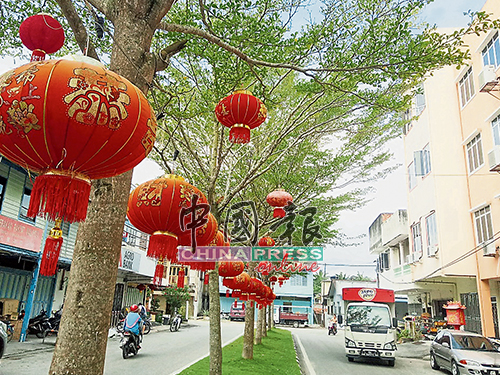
[{"x": 370, "y": 316}]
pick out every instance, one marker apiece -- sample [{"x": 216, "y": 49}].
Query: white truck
[{"x": 369, "y": 324}]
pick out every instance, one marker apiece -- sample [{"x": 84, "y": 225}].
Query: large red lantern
[
  {"x": 41, "y": 34},
  {"x": 231, "y": 269},
  {"x": 155, "y": 206},
  {"x": 241, "y": 112},
  {"x": 279, "y": 199},
  {"x": 266, "y": 241},
  {"x": 71, "y": 122}
]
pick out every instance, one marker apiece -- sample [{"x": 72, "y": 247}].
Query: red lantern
[
  {"x": 273, "y": 279},
  {"x": 41, "y": 34},
  {"x": 154, "y": 207},
  {"x": 279, "y": 199},
  {"x": 231, "y": 269},
  {"x": 141, "y": 287},
  {"x": 180, "y": 278},
  {"x": 281, "y": 280},
  {"x": 51, "y": 251},
  {"x": 71, "y": 122},
  {"x": 241, "y": 112},
  {"x": 266, "y": 241}
]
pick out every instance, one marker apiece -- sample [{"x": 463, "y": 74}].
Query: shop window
[
  {"x": 25, "y": 203},
  {"x": 475, "y": 153}
]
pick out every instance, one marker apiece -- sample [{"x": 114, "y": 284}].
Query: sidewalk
[
  {"x": 418, "y": 350},
  {"x": 33, "y": 344}
]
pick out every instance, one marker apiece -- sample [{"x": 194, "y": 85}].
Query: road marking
[
  {"x": 206, "y": 355},
  {"x": 307, "y": 362}
]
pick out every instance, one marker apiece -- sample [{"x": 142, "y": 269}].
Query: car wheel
[
  {"x": 454, "y": 368},
  {"x": 434, "y": 364},
  {"x": 391, "y": 362}
]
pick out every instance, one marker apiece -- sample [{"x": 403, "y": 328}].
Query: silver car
[
  {"x": 464, "y": 353},
  {"x": 3, "y": 337}
]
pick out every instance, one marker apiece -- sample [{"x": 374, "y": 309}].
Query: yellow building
[{"x": 452, "y": 155}]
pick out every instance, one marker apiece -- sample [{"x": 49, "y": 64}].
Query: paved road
[
  {"x": 326, "y": 355},
  {"x": 162, "y": 352}
]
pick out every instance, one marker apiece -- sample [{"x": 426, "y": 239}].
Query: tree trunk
[
  {"x": 83, "y": 335},
  {"x": 81, "y": 345},
  {"x": 258, "y": 330},
  {"x": 264, "y": 322},
  {"x": 248, "y": 336},
  {"x": 270, "y": 317},
  {"x": 214, "y": 311}
]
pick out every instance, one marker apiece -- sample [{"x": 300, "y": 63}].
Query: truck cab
[{"x": 369, "y": 324}]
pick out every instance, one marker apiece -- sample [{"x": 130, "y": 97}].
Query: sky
[{"x": 389, "y": 194}]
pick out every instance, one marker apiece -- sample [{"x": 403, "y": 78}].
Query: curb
[
  {"x": 306, "y": 367},
  {"x": 28, "y": 351}
]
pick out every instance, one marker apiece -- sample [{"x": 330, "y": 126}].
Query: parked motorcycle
[
  {"x": 39, "y": 324},
  {"x": 54, "y": 322},
  {"x": 175, "y": 324},
  {"x": 332, "y": 330},
  {"x": 129, "y": 344}
]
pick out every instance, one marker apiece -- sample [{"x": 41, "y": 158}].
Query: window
[
  {"x": 384, "y": 261},
  {"x": 491, "y": 53},
  {"x": 416, "y": 233},
  {"x": 419, "y": 101},
  {"x": 484, "y": 228},
  {"x": 422, "y": 161},
  {"x": 65, "y": 226},
  {"x": 25, "y": 203},
  {"x": 495, "y": 128},
  {"x": 432, "y": 238},
  {"x": 475, "y": 153},
  {"x": 412, "y": 177},
  {"x": 297, "y": 280},
  {"x": 3, "y": 184},
  {"x": 466, "y": 86}
]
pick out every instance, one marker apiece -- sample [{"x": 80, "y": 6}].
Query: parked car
[
  {"x": 3, "y": 337},
  {"x": 463, "y": 352},
  {"x": 237, "y": 312}
]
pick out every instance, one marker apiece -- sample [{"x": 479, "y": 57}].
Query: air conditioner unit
[
  {"x": 494, "y": 159},
  {"x": 487, "y": 79},
  {"x": 432, "y": 250},
  {"x": 409, "y": 258},
  {"x": 489, "y": 249}
]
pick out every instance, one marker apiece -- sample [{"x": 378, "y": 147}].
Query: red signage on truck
[{"x": 368, "y": 295}]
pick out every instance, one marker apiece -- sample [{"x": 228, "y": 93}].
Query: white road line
[{"x": 307, "y": 362}]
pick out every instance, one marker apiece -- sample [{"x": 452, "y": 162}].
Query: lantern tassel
[
  {"x": 279, "y": 212},
  {"x": 163, "y": 245},
  {"x": 160, "y": 268},
  {"x": 205, "y": 280},
  {"x": 180, "y": 278},
  {"x": 239, "y": 134},
  {"x": 61, "y": 196},
  {"x": 51, "y": 251}
]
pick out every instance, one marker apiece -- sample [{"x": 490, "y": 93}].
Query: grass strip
[{"x": 276, "y": 355}]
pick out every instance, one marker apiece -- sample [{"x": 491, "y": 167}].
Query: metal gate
[
  {"x": 494, "y": 309},
  {"x": 15, "y": 284},
  {"x": 472, "y": 312},
  {"x": 117, "y": 305}
]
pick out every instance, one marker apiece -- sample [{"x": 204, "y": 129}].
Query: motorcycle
[
  {"x": 332, "y": 330},
  {"x": 129, "y": 344},
  {"x": 54, "y": 322},
  {"x": 39, "y": 324},
  {"x": 175, "y": 324},
  {"x": 146, "y": 322}
]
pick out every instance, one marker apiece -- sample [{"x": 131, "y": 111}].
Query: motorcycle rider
[
  {"x": 142, "y": 311},
  {"x": 332, "y": 325},
  {"x": 133, "y": 324}
]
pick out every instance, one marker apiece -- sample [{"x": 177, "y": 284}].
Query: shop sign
[
  {"x": 130, "y": 260},
  {"x": 19, "y": 234}
]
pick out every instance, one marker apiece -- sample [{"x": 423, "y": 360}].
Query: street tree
[{"x": 347, "y": 71}]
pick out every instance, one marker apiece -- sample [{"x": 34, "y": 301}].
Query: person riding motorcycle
[
  {"x": 332, "y": 325},
  {"x": 133, "y": 324}
]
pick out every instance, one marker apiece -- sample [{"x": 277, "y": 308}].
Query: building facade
[{"x": 452, "y": 158}]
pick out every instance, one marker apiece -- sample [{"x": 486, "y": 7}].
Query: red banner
[
  {"x": 368, "y": 295},
  {"x": 18, "y": 234}
]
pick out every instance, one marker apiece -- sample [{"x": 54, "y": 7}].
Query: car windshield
[
  {"x": 466, "y": 342},
  {"x": 372, "y": 316}
]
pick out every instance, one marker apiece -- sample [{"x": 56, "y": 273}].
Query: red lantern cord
[{"x": 51, "y": 251}]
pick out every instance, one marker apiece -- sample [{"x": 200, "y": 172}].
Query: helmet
[{"x": 134, "y": 308}]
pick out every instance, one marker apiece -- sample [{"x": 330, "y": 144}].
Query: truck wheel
[
  {"x": 295, "y": 324},
  {"x": 391, "y": 362},
  {"x": 350, "y": 359}
]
